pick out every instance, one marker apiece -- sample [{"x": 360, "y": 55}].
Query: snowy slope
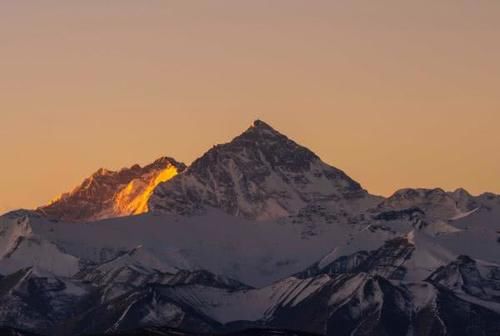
[
  {"x": 255, "y": 253},
  {"x": 21, "y": 248}
]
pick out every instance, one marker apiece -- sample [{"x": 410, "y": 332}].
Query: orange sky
[{"x": 396, "y": 93}]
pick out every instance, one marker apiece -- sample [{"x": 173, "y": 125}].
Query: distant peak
[
  {"x": 263, "y": 127},
  {"x": 102, "y": 171},
  {"x": 260, "y": 129},
  {"x": 417, "y": 192},
  {"x": 462, "y": 191},
  {"x": 168, "y": 161},
  {"x": 260, "y": 124},
  {"x": 165, "y": 159}
]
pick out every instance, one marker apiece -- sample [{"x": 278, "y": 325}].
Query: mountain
[
  {"x": 257, "y": 237},
  {"x": 21, "y": 248},
  {"x": 261, "y": 175},
  {"x": 108, "y": 194},
  {"x": 436, "y": 203},
  {"x": 37, "y": 300}
]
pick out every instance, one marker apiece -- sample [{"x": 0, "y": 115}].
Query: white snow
[
  {"x": 463, "y": 214},
  {"x": 254, "y": 252},
  {"x": 21, "y": 248},
  {"x": 427, "y": 256},
  {"x": 423, "y": 295}
]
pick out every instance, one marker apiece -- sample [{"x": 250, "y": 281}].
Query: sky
[{"x": 395, "y": 93}]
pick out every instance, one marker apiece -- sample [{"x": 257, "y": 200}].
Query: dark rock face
[
  {"x": 462, "y": 318},
  {"x": 408, "y": 214},
  {"x": 261, "y": 174},
  {"x": 96, "y": 197}
]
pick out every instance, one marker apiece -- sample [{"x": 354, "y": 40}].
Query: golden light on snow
[
  {"x": 133, "y": 199},
  {"x": 56, "y": 199}
]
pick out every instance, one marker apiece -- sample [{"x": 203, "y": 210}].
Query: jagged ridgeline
[
  {"x": 256, "y": 233},
  {"x": 108, "y": 194}
]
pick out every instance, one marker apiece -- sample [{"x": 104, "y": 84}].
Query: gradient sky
[{"x": 396, "y": 93}]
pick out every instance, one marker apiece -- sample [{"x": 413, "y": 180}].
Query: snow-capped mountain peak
[{"x": 260, "y": 174}]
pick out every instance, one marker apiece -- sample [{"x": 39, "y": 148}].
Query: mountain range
[{"x": 258, "y": 236}]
